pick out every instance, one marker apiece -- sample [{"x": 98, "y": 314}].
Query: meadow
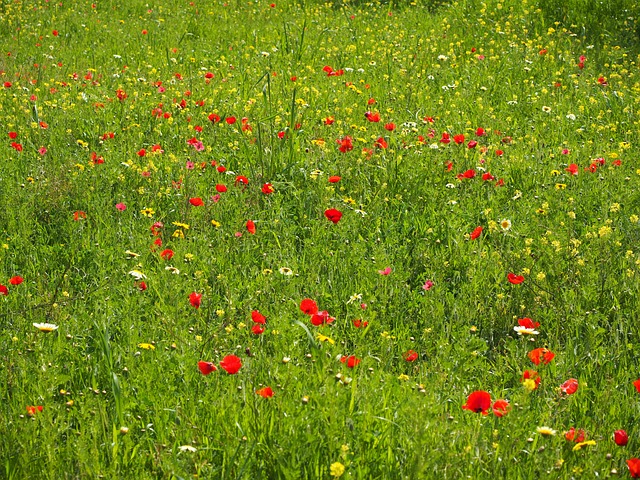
[{"x": 319, "y": 240}]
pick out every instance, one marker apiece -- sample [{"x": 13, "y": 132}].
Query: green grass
[{"x": 112, "y": 408}]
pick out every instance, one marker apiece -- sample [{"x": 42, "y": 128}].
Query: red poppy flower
[
  {"x": 634, "y": 467},
  {"x": 487, "y": 177},
  {"x": 334, "y": 179},
  {"x": 230, "y": 120},
  {"x": 476, "y": 233},
  {"x": 308, "y": 306},
  {"x": 515, "y": 279},
  {"x": 528, "y": 323},
  {"x": 257, "y": 329},
  {"x": 381, "y": 143},
  {"x": 471, "y": 173},
  {"x": 32, "y": 410},
  {"x": 4, "y": 290},
  {"x": 196, "y": 202},
  {"x": 478, "y": 402},
  {"x": 321, "y": 318},
  {"x": 206, "y": 367},
  {"x": 410, "y": 356},
  {"x": 17, "y": 280},
  {"x": 16, "y": 146},
  {"x": 208, "y": 75},
  {"x": 532, "y": 375},
  {"x": 231, "y": 364},
  {"x": 446, "y": 138},
  {"x": 570, "y": 386},
  {"x": 372, "y": 117},
  {"x": 166, "y": 254},
  {"x": 195, "y": 299},
  {"x": 265, "y": 392},
  {"x": 480, "y": 132},
  {"x": 472, "y": 144},
  {"x": 214, "y": 118},
  {"x": 346, "y": 144},
  {"x": 13, "y": 135},
  {"x": 459, "y": 139},
  {"x": 358, "y": 323},
  {"x": 242, "y": 180},
  {"x": 333, "y": 215},
  {"x": 351, "y": 360},
  {"x": 637, "y": 385},
  {"x": 142, "y": 286},
  {"x": 499, "y": 153},
  {"x": 572, "y": 169},
  {"x": 142, "y": 152},
  {"x": 267, "y": 189},
  {"x": 538, "y": 355},
  {"x": 390, "y": 127},
  {"x": 221, "y": 188},
  {"x": 79, "y": 214},
  {"x": 257, "y": 317},
  {"x": 574, "y": 435},
  {"x": 251, "y": 227},
  {"x": 501, "y": 408},
  {"x": 620, "y": 437}
]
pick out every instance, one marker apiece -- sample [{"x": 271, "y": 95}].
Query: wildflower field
[{"x": 300, "y": 239}]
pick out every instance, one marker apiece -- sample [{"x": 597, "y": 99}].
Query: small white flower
[
  {"x": 137, "y": 274},
  {"x": 173, "y": 270},
  {"x": 354, "y": 297},
  {"x": 505, "y": 223},
  {"x": 45, "y": 327},
  {"x": 571, "y": 116},
  {"x": 285, "y": 271},
  {"x": 187, "y": 448},
  {"x": 525, "y": 331}
]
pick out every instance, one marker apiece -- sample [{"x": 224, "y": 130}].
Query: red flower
[
  {"x": 410, "y": 356},
  {"x": 334, "y": 179},
  {"x": 166, "y": 254},
  {"x": 572, "y": 169},
  {"x": 257, "y": 329},
  {"x": 528, "y": 323},
  {"x": 333, "y": 215},
  {"x": 390, "y": 127},
  {"x": 230, "y": 120},
  {"x": 4, "y": 290},
  {"x": 346, "y": 144},
  {"x": 32, "y": 410},
  {"x": 372, "y": 117},
  {"x": 267, "y": 189},
  {"x": 637, "y": 385},
  {"x": 358, "y": 323},
  {"x": 78, "y": 214},
  {"x": 634, "y": 467},
  {"x": 208, "y": 75},
  {"x": 499, "y": 153},
  {"x": 206, "y": 367},
  {"x": 351, "y": 360},
  {"x": 515, "y": 279},
  {"x": 487, "y": 177},
  {"x": 142, "y": 286},
  {"x": 476, "y": 233},
  {"x": 501, "y": 408},
  {"x": 257, "y": 317},
  {"x": 195, "y": 299},
  {"x": 574, "y": 435},
  {"x": 538, "y": 355},
  {"x": 242, "y": 179},
  {"x": 214, "y": 118},
  {"x": 468, "y": 174},
  {"x": 446, "y": 138},
  {"x": 459, "y": 139},
  {"x": 570, "y": 386},
  {"x": 478, "y": 402},
  {"x": 532, "y": 375},
  {"x": 308, "y": 306},
  {"x": 251, "y": 227},
  {"x": 321, "y": 318},
  {"x": 480, "y": 132},
  {"x": 381, "y": 143},
  {"x": 620, "y": 437},
  {"x": 142, "y": 152},
  {"x": 221, "y": 188},
  {"x": 196, "y": 202},
  {"x": 231, "y": 364},
  {"x": 17, "y": 280},
  {"x": 472, "y": 144},
  {"x": 265, "y": 392},
  {"x": 13, "y": 135}
]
